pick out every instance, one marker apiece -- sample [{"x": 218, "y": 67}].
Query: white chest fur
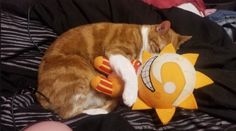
[{"x": 144, "y": 32}]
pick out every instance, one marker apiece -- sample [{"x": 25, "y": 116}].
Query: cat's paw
[
  {"x": 130, "y": 95},
  {"x": 96, "y": 111}
]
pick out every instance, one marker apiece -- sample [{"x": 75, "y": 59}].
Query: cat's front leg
[{"x": 123, "y": 67}]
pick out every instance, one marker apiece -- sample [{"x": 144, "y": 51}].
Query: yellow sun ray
[
  {"x": 202, "y": 80},
  {"x": 168, "y": 49},
  {"x": 140, "y": 105},
  {"x": 189, "y": 103},
  {"x": 191, "y": 57},
  {"x": 145, "y": 56},
  {"x": 165, "y": 115}
]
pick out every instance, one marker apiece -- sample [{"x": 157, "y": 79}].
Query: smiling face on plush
[{"x": 167, "y": 81}]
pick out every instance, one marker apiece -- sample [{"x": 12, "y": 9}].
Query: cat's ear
[{"x": 163, "y": 27}]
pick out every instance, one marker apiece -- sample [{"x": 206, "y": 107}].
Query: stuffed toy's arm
[{"x": 111, "y": 85}]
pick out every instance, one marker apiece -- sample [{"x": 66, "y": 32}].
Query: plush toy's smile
[{"x": 145, "y": 74}]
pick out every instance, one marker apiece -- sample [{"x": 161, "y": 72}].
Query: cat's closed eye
[{"x": 154, "y": 48}]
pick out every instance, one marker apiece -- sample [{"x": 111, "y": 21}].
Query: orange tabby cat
[{"x": 67, "y": 67}]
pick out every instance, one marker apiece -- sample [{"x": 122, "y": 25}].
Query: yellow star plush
[{"x": 167, "y": 81}]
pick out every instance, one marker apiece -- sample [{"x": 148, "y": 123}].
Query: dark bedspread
[{"x": 20, "y": 57}]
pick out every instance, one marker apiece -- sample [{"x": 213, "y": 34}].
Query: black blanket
[
  {"x": 217, "y": 60},
  {"x": 217, "y": 52}
]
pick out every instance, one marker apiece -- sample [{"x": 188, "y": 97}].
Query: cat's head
[{"x": 160, "y": 35}]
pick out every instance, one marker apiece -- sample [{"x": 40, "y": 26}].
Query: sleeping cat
[{"x": 67, "y": 66}]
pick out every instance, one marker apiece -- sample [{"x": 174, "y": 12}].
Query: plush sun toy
[{"x": 166, "y": 81}]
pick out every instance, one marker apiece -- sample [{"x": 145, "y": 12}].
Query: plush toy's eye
[{"x": 171, "y": 83}]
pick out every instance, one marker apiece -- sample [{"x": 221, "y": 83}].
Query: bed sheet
[{"x": 23, "y": 43}]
